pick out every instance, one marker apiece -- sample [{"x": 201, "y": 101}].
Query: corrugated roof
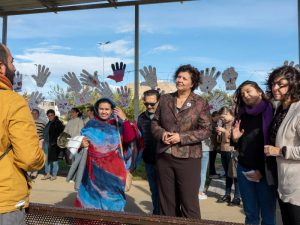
[{"x": 18, "y": 7}]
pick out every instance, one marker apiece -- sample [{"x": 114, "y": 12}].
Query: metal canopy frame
[
  {"x": 22, "y": 7},
  {"x": 15, "y": 7}
]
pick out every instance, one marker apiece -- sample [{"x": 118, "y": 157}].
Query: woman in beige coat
[{"x": 283, "y": 85}]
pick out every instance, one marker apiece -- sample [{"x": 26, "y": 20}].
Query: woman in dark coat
[{"x": 52, "y": 131}]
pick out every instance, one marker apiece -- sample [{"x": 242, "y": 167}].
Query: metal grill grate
[{"x": 39, "y": 214}]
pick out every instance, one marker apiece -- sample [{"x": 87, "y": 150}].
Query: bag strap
[{"x": 5, "y": 152}]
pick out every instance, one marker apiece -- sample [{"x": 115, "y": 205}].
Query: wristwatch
[{"x": 283, "y": 151}]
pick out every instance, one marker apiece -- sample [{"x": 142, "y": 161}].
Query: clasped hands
[
  {"x": 170, "y": 138},
  {"x": 272, "y": 150}
]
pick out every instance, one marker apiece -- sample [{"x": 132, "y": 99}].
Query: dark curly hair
[
  {"x": 238, "y": 100},
  {"x": 195, "y": 74},
  {"x": 292, "y": 75}
]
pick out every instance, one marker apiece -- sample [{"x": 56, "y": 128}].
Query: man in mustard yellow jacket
[{"x": 18, "y": 133}]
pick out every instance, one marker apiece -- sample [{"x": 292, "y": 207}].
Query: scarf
[
  {"x": 5, "y": 83},
  {"x": 266, "y": 109}
]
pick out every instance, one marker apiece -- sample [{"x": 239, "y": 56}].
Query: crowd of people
[{"x": 258, "y": 139}]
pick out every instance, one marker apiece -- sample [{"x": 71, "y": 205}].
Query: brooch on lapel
[{"x": 188, "y": 104}]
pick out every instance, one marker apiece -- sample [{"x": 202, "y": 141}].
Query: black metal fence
[{"x": 40, "y": 214}]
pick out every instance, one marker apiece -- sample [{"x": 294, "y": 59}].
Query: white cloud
[
  {"x": 121, "y": 48},
  {"x": 47, "y": 49},
  {"x": 164, "y": 48},
  {"x": 129, "y": 28}
]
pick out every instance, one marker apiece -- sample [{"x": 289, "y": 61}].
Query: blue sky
[{"x": 252, "y": 36}]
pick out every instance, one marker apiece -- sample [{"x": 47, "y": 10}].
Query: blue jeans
[
  {"x": 259, "y": 199},
  {"x": 152, "y": 180},
  {"x": 225, "y": 159},
  {"x": 47, "y": 164},
  {"x": 54, "y": 169},
  {"x": 204, "y": 163}
]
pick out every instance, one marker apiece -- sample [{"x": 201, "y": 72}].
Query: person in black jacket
[
  {"x": 51, "y": 132},
  {"x": 151, "y": 98}
]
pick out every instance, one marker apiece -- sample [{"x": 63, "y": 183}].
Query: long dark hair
[
  {"x": 77, "y": 111},
  {"x": 238, "y": 100},
  {"x": 292, "y": 75}
]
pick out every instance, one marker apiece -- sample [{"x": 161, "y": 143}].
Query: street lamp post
[{"x": 102, "y": 44}]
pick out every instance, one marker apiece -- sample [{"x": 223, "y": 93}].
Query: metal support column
[
  {"x": 136, "y": 63},
  {"x": 4, "y": 30},
  {"x": 299, "y": 31}
]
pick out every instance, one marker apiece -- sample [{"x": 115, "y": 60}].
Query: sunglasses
[{"x": 148, "y": 103}]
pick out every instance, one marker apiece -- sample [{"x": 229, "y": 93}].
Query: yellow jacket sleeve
[{"x": 28, "y": 155}]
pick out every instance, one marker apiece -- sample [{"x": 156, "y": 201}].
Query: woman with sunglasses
[
  {"x": 283, "y": 85},
  {"x": 182, "y": 120}
]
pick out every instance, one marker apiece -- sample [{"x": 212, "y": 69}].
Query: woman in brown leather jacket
[{"x": 181, "y": 122}]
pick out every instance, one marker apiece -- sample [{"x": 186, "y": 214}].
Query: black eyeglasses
[{"x": 148, "y": 103}]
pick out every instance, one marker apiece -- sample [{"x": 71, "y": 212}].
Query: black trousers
[
  {"x": 212, "y": 160},
  {"x": 178, "y": 186},
  {"x": 290, "y": 213}
]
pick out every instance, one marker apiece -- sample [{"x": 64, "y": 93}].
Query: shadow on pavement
[{"x": 67, "y": 201}]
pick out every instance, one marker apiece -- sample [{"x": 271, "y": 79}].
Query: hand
[
  {"x": 62, "y": 104},
  {"x": 83, "y": 98},
  {"x": 150, "y": 77},
  {"x": 104, "y": 90},
  {"x": 85, "y": 143},
  {"x": 220, "y": 130},
  {"x": 173, "y": 138},
  {"x": 17, "y": 86},
  {"x": 229, "y": 76},
  {"x": 236, "y": 131},
  {"x": 209, "y": 79},
  {"x": 272, "y": 150},
  {"x": 89, "y": 79},
  {"x": 255, "y": 176},
  {"x": 35, "y": 99},
  {"x": 41, "y": 143},
  {"x": 216, "y": 103},
  {"x": 119, "y": 112},
  {"x": 72, "y": 80},
  {"x": 118, "y": 72},
  {"x": 291, "y": 63},
  {"x": 124, "y": 96},
  {"x": 165, "y": 136},
  {"x": 42, "y": 75}
]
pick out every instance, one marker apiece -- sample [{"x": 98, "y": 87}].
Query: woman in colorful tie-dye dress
[{"x": 103, "y": 182}]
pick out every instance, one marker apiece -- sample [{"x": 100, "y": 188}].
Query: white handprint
[
  {"x": 124, "y": 96},
  {"x": 18, "y": 80},
  {"x": 63, "y": 104},
  {"x": 229, "y": 76},
  {"x": 104, "y": 90},
  {"x": 209, "y": 79},
  {"x": 150, "y": 77},
  {"x": 160, "y": 91},
  {"x": 35, "y": 99},
  {"x": 89, "y": 79},
  {"x": 72, "y": 80},
  {"x": 216, "y": 103},
  {"x": 83, "y": 98},
  {"x": 291, "y": 63},
  {"x": 42, "y": 75}
]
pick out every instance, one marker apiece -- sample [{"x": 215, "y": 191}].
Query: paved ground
[{"x": 61, "y": 193}]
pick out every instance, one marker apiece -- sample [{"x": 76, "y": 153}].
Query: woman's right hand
[
  {"x": 85, "y": 143},
  {"x": 236, "y": 131},
  {"x": 165, "y": 137}
]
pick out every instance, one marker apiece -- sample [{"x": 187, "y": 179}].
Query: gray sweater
[{"x": 289, "y": 166}]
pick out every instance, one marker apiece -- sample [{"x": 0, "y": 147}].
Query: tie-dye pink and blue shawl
[{"x": 103, "y": 182}]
